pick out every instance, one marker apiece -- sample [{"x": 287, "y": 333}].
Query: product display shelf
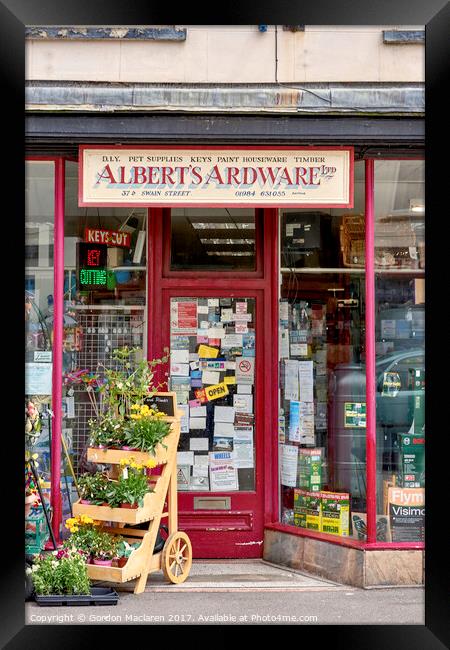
[{"x": 176, "y": 557}]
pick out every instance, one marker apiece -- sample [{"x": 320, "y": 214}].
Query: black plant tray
[{"x": 98, "y": 596}]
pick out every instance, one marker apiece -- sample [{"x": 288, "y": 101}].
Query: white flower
[{"x": 28, "y": 570}]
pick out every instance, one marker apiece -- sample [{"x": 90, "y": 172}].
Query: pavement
[{"x": 246, "y": 592}]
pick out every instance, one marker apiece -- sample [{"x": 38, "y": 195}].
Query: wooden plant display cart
[{"x": 175, "y": 559}]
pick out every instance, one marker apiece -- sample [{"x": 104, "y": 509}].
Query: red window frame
[{"x": 155, "y": 257}]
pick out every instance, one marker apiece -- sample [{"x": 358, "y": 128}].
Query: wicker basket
[{"x": 393, "y": 243}]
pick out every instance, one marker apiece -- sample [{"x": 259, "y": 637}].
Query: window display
[
  {"x": 104, "y": 306},
  {"x": 39, "y": 225},
  {"x": 400, "y": 351},
  {"x": 212, "y": 371},
  {"x": 322, "y": 383}
]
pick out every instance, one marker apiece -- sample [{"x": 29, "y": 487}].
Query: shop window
[
  {"x": 400, "y": 352},
  {"x": 322, "y": 418},
  {"x": 213, "y": 239},
  {"x": 104, "y": 300},
  {"x": 39, "y": 225}
]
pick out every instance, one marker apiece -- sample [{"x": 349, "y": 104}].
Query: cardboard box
[
  {"x": 309, "y": 472},
  {"x": 300, "y": 507},
  {"x": 407, "y": 514},
  {"x": 411, "y": 472},
  {"x": 335, "y": 513},
  {"x": 417, "y": 412},
  {"x": 115, "y": 257},
  {"x": 313, "y": 510},
  {"x": 416, "y": 379}
]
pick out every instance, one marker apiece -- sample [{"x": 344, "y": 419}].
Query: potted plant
[
  {"x": 123, "y": 552},
  {"x": 131, "y": 487},
  {"x": 145, "y": 428},
  {"x": 106, "y": 432},
  {"x": 60, "y": 572},
  {"x": 112, "y": 391},
  {"x": 104, "y": 548},
  {"x": 93, "y": 488}
]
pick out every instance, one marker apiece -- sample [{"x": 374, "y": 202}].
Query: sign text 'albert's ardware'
[{"x": 216, "y": 176}]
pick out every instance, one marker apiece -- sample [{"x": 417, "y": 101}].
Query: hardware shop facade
[{"x": 282, "y": 262}]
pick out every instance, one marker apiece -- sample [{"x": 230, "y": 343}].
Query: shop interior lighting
[
  {"x": 417, "y": 206},
  {"x": 226, "y": 242},
  {"x": 212, "y": 225},
  {"x": 231, "y": 253}
]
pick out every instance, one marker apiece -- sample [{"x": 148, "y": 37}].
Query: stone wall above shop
[{"x": 225, "y": 54}]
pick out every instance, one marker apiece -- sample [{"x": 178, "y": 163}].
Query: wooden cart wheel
[{"x": 176, "y": 559}]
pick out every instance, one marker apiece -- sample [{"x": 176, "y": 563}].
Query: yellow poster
[
  {"x": 207, "y": 352},
  {"x": 216, "y": 391},
  {"x": 230, "y": 380}
]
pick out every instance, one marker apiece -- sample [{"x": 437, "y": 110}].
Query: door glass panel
[
  {"x": 208, "y": 239},
  {"x": 212, "y": 371}
]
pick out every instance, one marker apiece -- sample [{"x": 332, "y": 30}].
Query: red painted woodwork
[{"x": 237, "y": 532}]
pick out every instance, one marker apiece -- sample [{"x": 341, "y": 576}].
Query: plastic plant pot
[
  {"x": 131, "y": 506},
  {"x": 99, "y": 562},
  {"x": 85, "y": 502}
]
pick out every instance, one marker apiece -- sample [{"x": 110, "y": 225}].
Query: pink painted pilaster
[
  {"x": 57, "y": 355},
  {"x": 371, "y": 430}
]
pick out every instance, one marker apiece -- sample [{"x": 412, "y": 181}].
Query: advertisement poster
[
  {"x": 406, "y": 508},
  {"x": 289, "y": 461},
  {"x": 222, "y": 471},
  {"x": 38, "y": 379},
  {"x": 355, "y": 415},
  {"x": 183, "y": 316}
]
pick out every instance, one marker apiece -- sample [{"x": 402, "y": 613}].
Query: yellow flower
[
  {"x": 150, "y": 463},
  {"x": 74, "y": 529},
  {"x": 160, "y": 415},
  {"x": 123, "y": 461},
  {"x": 135, "y": 407},
  {"x": 135, "y": 416}
]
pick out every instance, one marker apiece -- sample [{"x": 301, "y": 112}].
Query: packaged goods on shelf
[
  {"x": 310, "y": 469},
  {"x": 411, "y": 472},
  {"x": 335, "y": 513}
]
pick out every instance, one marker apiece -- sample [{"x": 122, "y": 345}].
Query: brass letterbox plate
[{"x": 212, "y": 503}]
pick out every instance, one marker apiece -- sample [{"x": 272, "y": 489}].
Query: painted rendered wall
[{"x": 232, "y": 54}]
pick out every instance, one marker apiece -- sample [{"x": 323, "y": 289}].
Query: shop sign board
[
  {"x": 110, "y": 237},
  {"x": 200, "y": 176}
]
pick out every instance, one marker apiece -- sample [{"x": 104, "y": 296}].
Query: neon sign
[
  {"x": 92, "y": 260},
  {"x": 95, "y": 277}
]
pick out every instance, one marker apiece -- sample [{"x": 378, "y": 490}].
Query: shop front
[{"x": 288, "y": 284}]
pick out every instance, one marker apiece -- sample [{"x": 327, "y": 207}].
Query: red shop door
[{"x": 219, "y": 327}]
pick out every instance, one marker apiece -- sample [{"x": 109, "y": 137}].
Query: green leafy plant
[
  {"x": 132, "y": 488},
  {"x": 86, "y": 536},
  {"x": 60, "y": 572},
  {"x": 107, "y": 431},
  {"x": 145, "y": 429},
  {"x": 126, "y": 386},
  {"x": 104, "y": 546},
  {"x": 94, "y": 487},
  {"x": 124, "y": 549},
  {"x": 113, "y": 391}
]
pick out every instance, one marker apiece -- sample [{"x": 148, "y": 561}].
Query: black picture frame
[{"x": 435, "y": 15}]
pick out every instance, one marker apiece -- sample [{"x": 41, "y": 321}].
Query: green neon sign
[{"x": 96, "y": 277}]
